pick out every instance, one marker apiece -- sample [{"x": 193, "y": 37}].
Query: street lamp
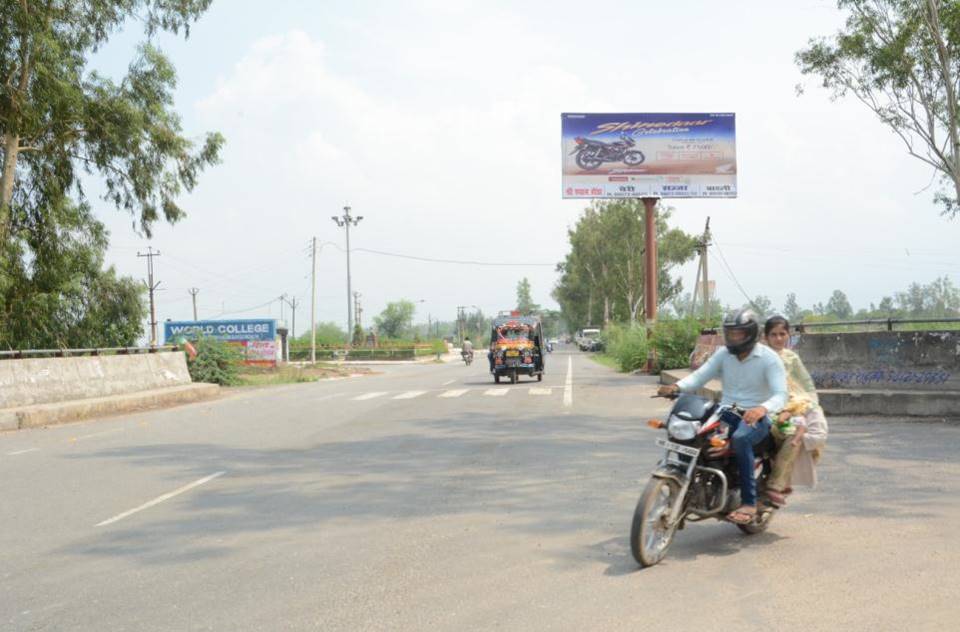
[{"x": 346, "y": 221}]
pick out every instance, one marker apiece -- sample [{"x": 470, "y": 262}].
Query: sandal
[
  {"x": 739, "y": 516},
  {"x": 777, "y": 499}
]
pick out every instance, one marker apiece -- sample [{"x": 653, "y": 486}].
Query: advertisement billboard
[
  {"x": 669, "y": 155},
  {"x": 257, "y": 338}
]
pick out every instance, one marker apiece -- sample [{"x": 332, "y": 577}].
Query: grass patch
[
  {"x": 607, "y": 360},
  {"x": 292, "y": 374}
]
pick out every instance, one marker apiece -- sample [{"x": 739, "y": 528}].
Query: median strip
[{"x": 160, "y": 499}]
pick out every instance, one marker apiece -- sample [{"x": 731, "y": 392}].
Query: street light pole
[{"x": 345, "y": 221}]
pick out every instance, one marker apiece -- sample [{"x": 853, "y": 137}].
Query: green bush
[
  {"x": 216, "y": 362},
  {"x": 673, "y": 341},
  {"x": 627, "y": 344}
]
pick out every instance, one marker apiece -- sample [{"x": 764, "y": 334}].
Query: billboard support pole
[{"x": 650, "y": 274}]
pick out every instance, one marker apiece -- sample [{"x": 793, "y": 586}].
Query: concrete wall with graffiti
[{"x": 887, "y": 360}]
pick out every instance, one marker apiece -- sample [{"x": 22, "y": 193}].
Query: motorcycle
[
  {"x": 467, "y": 357},
  {"x": 697, "y": 478},
  {"x": 593, "y": 153}
]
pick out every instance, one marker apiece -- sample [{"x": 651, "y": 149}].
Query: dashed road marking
[
  {"x": 160, "y": 499},
  {"x": 568, "y": 384},
  {"x": 455, "y": 393},
  {"x": 96, "y": 434},
  {"x": 536, "y": 390},
  {"x": 22, "y": 451},
  {"x": 448, "y": 382},
  {"x": 410, "y": 395},
  {"x": 366, "y": 396},
  {"x": 496, "y": 392}
]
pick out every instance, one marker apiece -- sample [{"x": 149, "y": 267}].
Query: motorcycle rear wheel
[
  {"x": 588, "y": 164},
  {"x": 650, "y": 537},
  {"x": 633, "y": 158}
]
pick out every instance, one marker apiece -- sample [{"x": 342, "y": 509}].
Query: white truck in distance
[{"x": 589, "y": 339}]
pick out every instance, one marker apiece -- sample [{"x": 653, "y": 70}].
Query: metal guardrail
[
  {"x": 69, "y": 353},
  {"x": 889, "y": 323}
]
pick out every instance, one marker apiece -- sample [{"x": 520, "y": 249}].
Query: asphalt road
[{"x": 424, "y": 499}]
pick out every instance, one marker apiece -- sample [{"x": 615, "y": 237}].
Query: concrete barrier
[
  {"x": 41, "y": 391},
  {"x": 883, "y": 360}
]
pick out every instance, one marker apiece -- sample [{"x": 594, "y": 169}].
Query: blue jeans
[{"x": 745, "y": 437}]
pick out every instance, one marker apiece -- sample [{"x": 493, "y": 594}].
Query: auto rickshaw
[{"x": 516, "y": 347}]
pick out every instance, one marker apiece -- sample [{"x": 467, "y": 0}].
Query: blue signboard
[
  {"x": 632, "y": 155},
  {"x": 230, "y": 330}
]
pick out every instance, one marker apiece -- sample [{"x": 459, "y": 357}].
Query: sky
[{"x": 438, "y": 121}]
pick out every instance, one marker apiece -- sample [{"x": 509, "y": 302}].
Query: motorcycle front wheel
[
  {"x": 650, "y": 536},
  {"x": 633, "y": 158},
  {"x": 588, "y": 162}
]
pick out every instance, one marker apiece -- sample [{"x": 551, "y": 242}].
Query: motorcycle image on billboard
[{"x": 649, "y": 155}]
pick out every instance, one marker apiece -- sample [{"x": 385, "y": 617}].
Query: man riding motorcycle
[
  {"x": 754, "y": 378},
  {"x": 467, "y": 349}
]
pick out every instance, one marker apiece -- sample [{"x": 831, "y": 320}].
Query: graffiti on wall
[{"x": 866, "y": 377}]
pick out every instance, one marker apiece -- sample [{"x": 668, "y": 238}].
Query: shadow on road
[{"x": 545, "y": 475}]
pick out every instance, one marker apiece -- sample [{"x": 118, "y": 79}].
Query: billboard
[
  {"x": 257, "y": 338},
  {"x": 669, "y": 155}
]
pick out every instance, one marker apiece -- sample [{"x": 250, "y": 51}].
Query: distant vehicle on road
[{"x": 589, "y": 340}]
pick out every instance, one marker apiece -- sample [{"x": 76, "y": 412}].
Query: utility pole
[
  {"x": 283, "y": 299},
  {"x": 357, "y": 310},
  {"x": 193, "y": 292},
  {"x": 313, "y": 301},
  {"x": 460, "y": 323},
  {"x": 706, "y": 279},
  {"x": 151, "y": 286},
  {"x": 293, "y": 308},
  {"x": 345, "y": 221}
]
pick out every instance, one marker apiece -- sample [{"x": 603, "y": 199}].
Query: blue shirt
[{"x": 757, "y": 380}]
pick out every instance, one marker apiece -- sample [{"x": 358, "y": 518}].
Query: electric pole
[
  {"x": 345, "y": 221},
  {"x": 293, "y": 308},
  {"x": 151, "y": 286},
  {"x": 460, "y": 323},
  {"x": 313, "y": 301},
  {"x": 193, "y": 292},
  {"x": 357, "y": 312},
  {"x": 706, "y": 279}
]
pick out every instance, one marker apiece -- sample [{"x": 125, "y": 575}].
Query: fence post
[{"x": 889, "y": 324}]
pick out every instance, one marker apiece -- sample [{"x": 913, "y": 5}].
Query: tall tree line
[
  {"x": 602, "y": 277},
  {"x": 61, "y": 122}
]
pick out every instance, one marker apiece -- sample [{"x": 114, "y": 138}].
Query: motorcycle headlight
[{"x": 681, "y": 429}]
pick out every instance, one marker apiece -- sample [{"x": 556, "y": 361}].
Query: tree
[
  {"x": 838, "y": 306},
  {"x": 329, "y": 334},
  {"x": 62, "y": 297},
  {"x": 763, "y": 306},
  {"x": 791, "y": 309},
  {"x": 59, "y": 121},
  {"x": 525, "y": 304},
  {"x": 602, "y": 278},
  {"x": 395, "y": 320},
  {"x": 902, "y": 60}
]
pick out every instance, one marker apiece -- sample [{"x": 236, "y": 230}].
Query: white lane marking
[
  {"x": 568, "y": 384},
  {"x": 367, "y": 396},
  {"x": 96, "y": 434},
  {"x": 497, "y": 392},
  {"x": 455, "y": 393},
  {"x": 22, "y": 451},
  {"x": 160, "y": 499},
  {"x": 448, "y": 382},
  {"x": 536, "y": 390},
  {"x": 410, "y": 394}
]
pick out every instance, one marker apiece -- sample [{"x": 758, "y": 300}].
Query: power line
[
  {"x": 454, "y": 261},
  {"x": 733, "y": 277}
]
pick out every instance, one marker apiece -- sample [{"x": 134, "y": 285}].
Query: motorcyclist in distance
[
  {"x": 467, "y": 349},
  {"x": 754, "y": 378}
]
